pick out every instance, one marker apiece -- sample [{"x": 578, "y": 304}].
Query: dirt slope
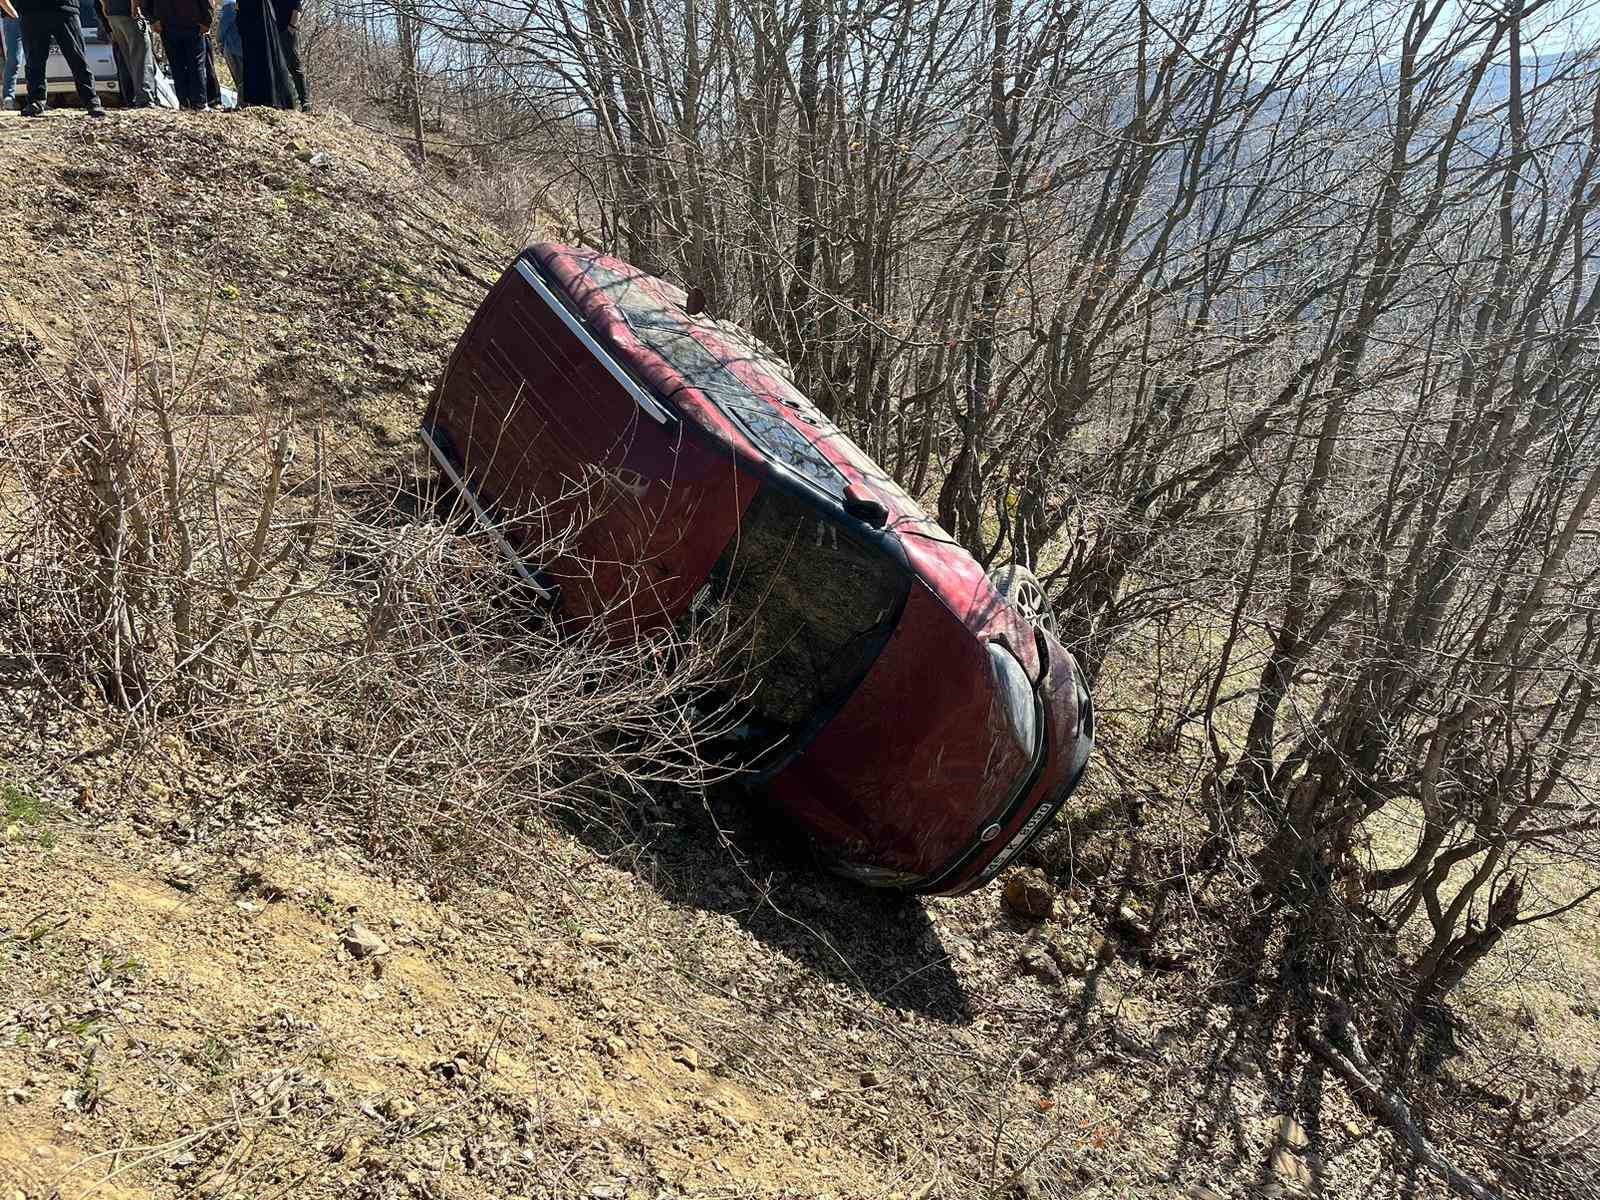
[
  {"x": 301, "y": 256},
  {"x": 681, "y": 1007}
]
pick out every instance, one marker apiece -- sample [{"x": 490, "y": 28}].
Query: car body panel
[
  {"x": 656, "y": 504},
  {"x": 688, "y": 468},
  {"x": 864, "y": 781}
]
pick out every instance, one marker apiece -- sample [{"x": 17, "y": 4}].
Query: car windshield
[{"x": 809, "y": 607}]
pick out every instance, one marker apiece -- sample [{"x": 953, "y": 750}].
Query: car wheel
[{"x": 1021, "y": 589}]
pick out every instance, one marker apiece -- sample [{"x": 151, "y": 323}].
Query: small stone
[
  {"x": 183, "y": 877},
  {"x": 1131, "y": 924},
  {"x": 1029, "y": 894},
  {"x": 1037, "y": 963},
  {"x": 1065, "y": 953},
  {"x": 688, "y": 1056},
  {"x": 397, "y": 1108},
  {"x": 361, "y": 942},
  {"x": 870, "y": 1079},
  {"x": 591, "y": 937}
]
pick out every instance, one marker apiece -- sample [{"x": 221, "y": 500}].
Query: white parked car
[{"x": 103, "y": 63}]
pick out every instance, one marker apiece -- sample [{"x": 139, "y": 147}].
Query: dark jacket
[
  {"x": 180, "y": 14},
  {"x": 24, "y": 7}
]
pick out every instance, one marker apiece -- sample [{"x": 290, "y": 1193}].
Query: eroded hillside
[{"x": 203, "y": 992}]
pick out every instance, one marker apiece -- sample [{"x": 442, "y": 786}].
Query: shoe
[
  {"x": 98, "y": 112},
  {"x": 33, "y": 108}
]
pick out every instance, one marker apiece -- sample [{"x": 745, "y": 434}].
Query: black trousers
[
  {"x": 291, "y": 52},
  {"x": 213, "y": 88},
  {"x": 186, "y": 59},
  {"x": 39, "y": 29}
]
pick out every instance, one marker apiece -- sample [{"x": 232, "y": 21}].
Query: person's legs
[
  {"x": 133, "y": 39},
  {"x": 124, "y": 79},
  {"x": 171, "y": 45},
  {"x": 235, "y": 68},
  {"x": 208, "y": 60},
  {"x": 291, "y": 53},
  {"x": 36, "y": 29},
  {"x": 69, "y": 36},
  {"x": 184, "y": 54},
  {"x": 11, "y": 42}
]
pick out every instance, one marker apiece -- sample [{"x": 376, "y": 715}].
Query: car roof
[{"x": 732, "y": 369}]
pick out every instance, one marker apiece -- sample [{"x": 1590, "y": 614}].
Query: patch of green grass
[
  {"x": 21, "y": 806},
  {"x": 113, "y": 970},
  {"x": 216, "y": 1059},
  {"x": 91, "y": 1080},
  {"x": 22, "y": 816}
]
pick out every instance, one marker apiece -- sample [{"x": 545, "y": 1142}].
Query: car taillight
[{"x": 1016, "y": 696}]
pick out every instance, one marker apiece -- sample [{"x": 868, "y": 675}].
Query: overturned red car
[{"x": 918, "y": 719}]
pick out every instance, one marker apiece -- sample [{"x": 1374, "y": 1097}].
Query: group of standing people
[{"x": 259, "y": 39}]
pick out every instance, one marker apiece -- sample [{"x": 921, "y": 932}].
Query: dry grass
[{"x": 386, "y": 670}]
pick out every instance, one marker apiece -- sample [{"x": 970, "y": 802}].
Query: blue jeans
[{"x": 12, "y": 29}]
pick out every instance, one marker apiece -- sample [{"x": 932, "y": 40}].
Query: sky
[{"x": 1558, "y": 27}]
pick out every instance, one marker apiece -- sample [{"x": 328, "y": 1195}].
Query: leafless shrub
[
  {"x": 464, "y": 717},
  {"x": 149, "y": 550},
  {"x": 388, "y": 672}
]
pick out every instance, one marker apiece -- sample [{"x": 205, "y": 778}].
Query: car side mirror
[{"x": 864, "y": 506}]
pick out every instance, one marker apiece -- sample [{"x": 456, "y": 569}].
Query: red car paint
[{"x": 685, "y": 462}]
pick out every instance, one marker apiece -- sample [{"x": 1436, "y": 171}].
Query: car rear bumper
[{"x": 981, "y": 863}]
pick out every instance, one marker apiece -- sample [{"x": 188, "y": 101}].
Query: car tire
[{"x": 1021, "y": 589}]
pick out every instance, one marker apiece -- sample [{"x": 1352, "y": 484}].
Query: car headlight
[{"x": 1016, "y": 695}]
